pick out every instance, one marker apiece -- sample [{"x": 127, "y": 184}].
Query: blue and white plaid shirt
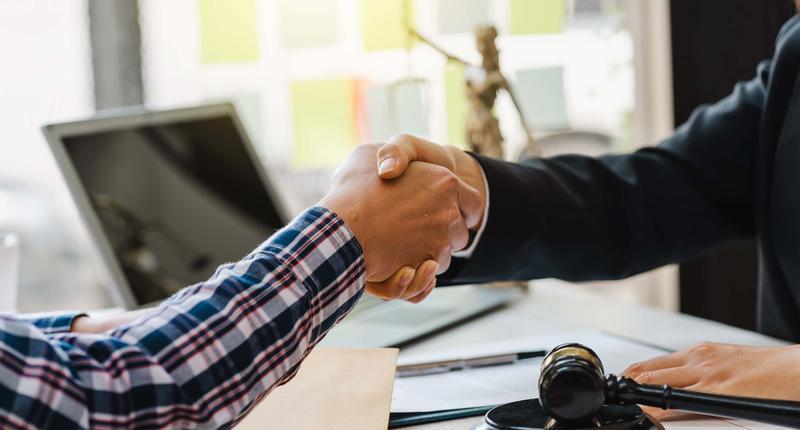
[{"x": 204, "y": 357}]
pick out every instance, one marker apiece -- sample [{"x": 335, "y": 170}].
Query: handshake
[{"x": 411, "y": 204}]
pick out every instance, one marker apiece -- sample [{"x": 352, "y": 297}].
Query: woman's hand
[{"x": 747, "y": 371}]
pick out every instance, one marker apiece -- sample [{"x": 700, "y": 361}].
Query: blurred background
[{"x": 312, "y": 78}]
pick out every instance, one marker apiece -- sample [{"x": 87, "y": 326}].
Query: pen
[
  {"x": 445, "y": 366},
  {"x": 398, "y": 420}
]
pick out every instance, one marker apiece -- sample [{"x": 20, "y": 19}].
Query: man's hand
[
  {"x": 400, "y": 151},
  {"x": 422, "y": 216},
  {"x": 407, "y": 283},
  {"x": 748, "y": 371},
  {"x": 393, "y": 160}
]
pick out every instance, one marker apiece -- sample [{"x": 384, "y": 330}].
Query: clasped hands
[{"x": 410, "y": 204}]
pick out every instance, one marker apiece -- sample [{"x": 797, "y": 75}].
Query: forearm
[{"x": 204, "y": 355}]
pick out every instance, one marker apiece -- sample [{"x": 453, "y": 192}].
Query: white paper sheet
[
  {"x": 696, "y": 422},
  {"x": 502, "y": 384}
]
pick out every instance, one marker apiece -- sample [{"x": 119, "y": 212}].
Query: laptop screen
[{"x": 175, "y": 200}]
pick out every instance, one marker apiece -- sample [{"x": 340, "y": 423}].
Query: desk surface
[{"x": 552, "y": 306}]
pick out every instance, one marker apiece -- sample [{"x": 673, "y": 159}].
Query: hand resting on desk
[{"x": 746, "y": 371}]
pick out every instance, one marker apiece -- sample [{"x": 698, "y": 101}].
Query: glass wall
[{"x": 46, "y": 77}]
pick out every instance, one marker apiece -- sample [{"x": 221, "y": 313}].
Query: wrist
[
  {"x": 341, "y": 208},
  {"x": 85, "y": 324},
  {"x": 470, "y": 171},
  {"x": 350, "y": 215}
]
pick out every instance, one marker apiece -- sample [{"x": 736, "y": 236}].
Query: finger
[
  {"x": 470, "y": 203},
  {"x": 400, "y": 150},
  {"x": 675, "y": 359},
  {"x": 426, "y": 273},
  {"x": 459, "y": 234},
  {"x": 393, "y": 159},
  {"x": 425, "y": 293},
  {"x": 394, "y": 287},
  {"x": 678, "y": 377},
  {"x": 444, "y": 259}
]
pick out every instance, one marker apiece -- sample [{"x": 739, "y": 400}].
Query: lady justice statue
[{"x": 483, "y": 83}]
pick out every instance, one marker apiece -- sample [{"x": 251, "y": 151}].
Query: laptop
[{"x": 167, "y": 196}]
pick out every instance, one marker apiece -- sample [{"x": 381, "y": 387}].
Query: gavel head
[{"x": 572, "y": 384}]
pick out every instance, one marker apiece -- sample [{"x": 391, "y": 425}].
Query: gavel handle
[{"x": 626, "y": 391}]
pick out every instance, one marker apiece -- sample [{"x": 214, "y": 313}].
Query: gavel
[{"x": 573, "y": 387}]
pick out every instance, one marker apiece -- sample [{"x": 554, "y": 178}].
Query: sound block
[{"x": 529, "y": 415}]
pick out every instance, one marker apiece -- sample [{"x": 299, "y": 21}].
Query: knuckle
[
  {"x": 449, "y": 178},
  {"x": 441, "y": 173},
  {"x": 645, "y": 378},
  {"x": 719, "y": 375},
  {"x": 401, "y": 138},
  {"x": 635, "y": 369},
  {"x": 702, "y": 349},
  {"x": 452, "y": 214},
  {"x": 387, "y": 149}
]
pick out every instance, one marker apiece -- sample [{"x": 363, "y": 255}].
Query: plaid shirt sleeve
[
  {"x": 205, "y": 356},
  {"x": 53, "y": 323}
]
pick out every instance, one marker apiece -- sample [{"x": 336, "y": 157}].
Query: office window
[
  {"x": 311, "y": 78},
  {"x": 46, "y": 77}
]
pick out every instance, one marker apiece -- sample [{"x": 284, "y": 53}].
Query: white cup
[{"x": 9, "y": 271}]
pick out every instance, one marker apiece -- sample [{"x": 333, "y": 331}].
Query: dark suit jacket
[{"x": 733, "y": 170}]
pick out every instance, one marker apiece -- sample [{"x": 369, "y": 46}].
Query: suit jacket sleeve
[{"x": 579, "y": 218}]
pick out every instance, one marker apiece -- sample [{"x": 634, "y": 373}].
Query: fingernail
[
  {"x": 405, "y": 279},
  {"x": 387, "y": 165}
]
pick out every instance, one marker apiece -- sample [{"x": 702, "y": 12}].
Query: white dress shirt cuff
[{"x": 467, "y": 252}]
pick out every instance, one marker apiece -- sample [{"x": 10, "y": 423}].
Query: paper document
[
  {"x": 697, "y": 422},
  {"x": 502, "y": 384},
  {"x": 335, "y": 389}
]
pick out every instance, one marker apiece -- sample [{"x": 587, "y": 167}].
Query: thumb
[
  {"x": 393, "y": 159},
  {"x": 400, "y": 150}
]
